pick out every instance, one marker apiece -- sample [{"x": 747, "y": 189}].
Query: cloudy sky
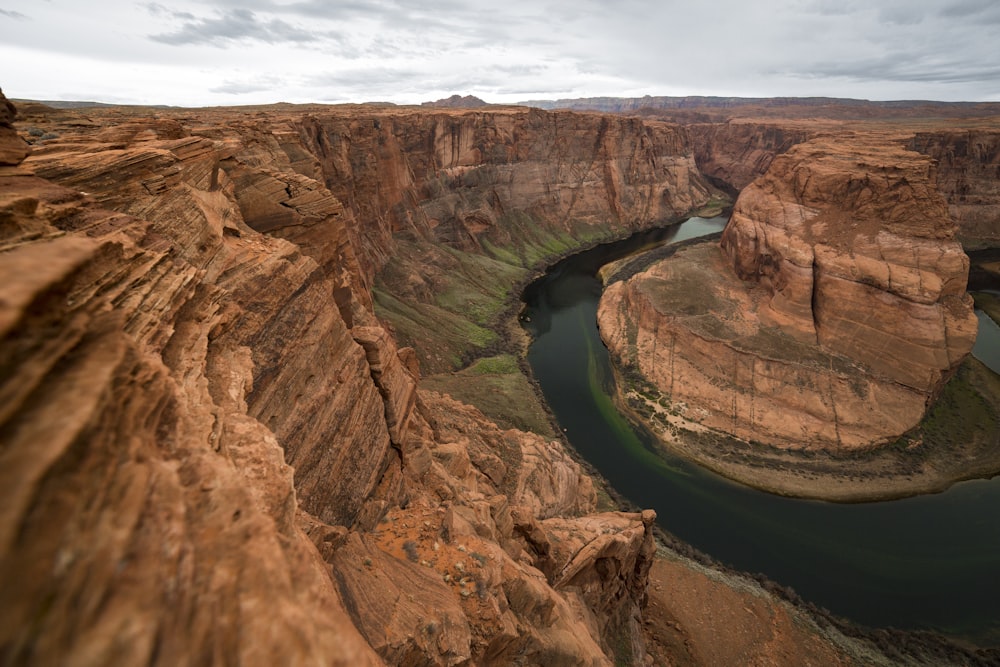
[{"x": 214, "y": 52}]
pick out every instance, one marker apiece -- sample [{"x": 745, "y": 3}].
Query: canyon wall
[
  {"x": 214, "y": 450},
  {"x": 968, "y": 164},
  {"x": 735, "y": 153},
  {"x": 215, "y": 443},
  {"x": 458, "y": 178},
  {"x": 833, "y": 315},
  {"x": 455, "y": 207}
]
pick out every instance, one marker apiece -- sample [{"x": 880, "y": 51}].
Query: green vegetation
[
  {"x": 504, "y": 364},
  {"x": 988, "y": 303},
  {"x": 965, "y": 414},
  {"x": 500, "y": 389},
  {"x": 624, "y": 433},
  {"x": 445, "y": 302},
  {"x": 718, "y": 202},
  {"x": 528, "y": 243},
  {"x": 442, "y": 338},
  {"x": 449, "y": 300}
]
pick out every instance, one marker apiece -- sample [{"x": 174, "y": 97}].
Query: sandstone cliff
[
  {"x": 833, "y": 315},
  {"x": 968, "y": 164},
  {"x": 215, "y": 452},
  {"x": 454, "y": 207},
  {"x": 736, "y": 152}
]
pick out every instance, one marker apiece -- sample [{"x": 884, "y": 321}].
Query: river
[{"x": 929, "y": 562}]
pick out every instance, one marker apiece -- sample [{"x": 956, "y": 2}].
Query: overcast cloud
[{"x": 407, "y": 51}]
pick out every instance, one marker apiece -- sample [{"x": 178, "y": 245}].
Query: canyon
[{"x": 217, "y": 443}]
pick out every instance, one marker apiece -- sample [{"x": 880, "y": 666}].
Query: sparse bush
[{"x": 410, "y": 547}]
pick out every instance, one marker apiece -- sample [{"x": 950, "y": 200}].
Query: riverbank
[
  {"x": 703, "y": 613},
  {"x": 698, "y": 615},
  {"x": 959, "y": 439}
]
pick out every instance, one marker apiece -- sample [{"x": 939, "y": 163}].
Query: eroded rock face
[
  {"x": 13, "y": 149},
  {"x": 968, "y": 165},
  {"x": 430, "y": 206},
  {"x": 458, "y": 178},
  {"x": 737, "y": 152},
  {"x": 846, "y": 313},
  {"x": 148, "y": 519},
  {"x": 207, "y": 434},
  {"x": 855, "y": 245}
]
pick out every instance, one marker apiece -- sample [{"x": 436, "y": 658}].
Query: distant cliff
[
  {"x": 969, "y": 176},
  {"x": 724, "y": 108}
]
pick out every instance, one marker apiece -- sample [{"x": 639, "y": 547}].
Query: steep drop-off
[
  {"x": 735, "y": 153},
  {"x": 214, "y": 448},
  {"x": 214, "y": 451},
  {"x": 830, "y": 319},
  {"x": 455, "y": 208},
  {"x": 968, "y": 163}
]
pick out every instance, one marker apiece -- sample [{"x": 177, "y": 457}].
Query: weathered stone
[
  {"x": 13, "y": 149},
  {"x": 968, "y": 167},
  {"x": 228, "y": 396},
  {"x": 850, "y": 316},
  {"x": 146, "y": 518}
]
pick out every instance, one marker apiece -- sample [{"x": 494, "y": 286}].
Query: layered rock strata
[
  {"x": 215, "y": 452},
  {"x": 464, "y": 179},
  {"x": 736, "y": 152},
  {"x": 830, "y": 319},
  {"x": 429, "y": 206},
  {"x": 968, "y": 165}
]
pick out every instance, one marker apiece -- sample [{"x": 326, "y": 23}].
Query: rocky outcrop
[
  {"x": 833, "y": 316},
  {"x": 147, "y": 517},
  {"x": 454, "y": 207},
  {"x": 859, "y": 255},
  {"x": 214, "y": 451},
  {"x": 968, "y": 167},
  {"x": 13, "y": 149},
  {"x": 458, "y": 102}
]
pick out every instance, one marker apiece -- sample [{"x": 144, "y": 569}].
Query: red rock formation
[
  {"x": 856, "y": 247},
  {"x": 147, "y": 518},
  {"x": 737, "y": 152},
  {"x": 213, "y": 451},
  {"x": 12, "y": 148},
  {"x": 851, "y": 315},
  {"x": 457, "y": 178},
  {"x": 458, "y": 102},
  {"x": 968, "y": 166},
  {"x": 207, "y": 431}
]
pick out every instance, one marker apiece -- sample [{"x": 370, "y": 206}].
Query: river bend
[{"x": 928, "y": 562}]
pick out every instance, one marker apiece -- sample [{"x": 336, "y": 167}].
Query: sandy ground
[{"x": 700, "y": 617}]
